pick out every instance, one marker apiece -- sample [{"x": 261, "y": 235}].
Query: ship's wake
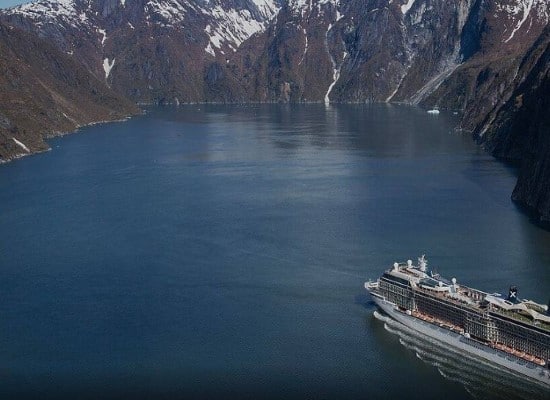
[{"x": 480, "y": 378}]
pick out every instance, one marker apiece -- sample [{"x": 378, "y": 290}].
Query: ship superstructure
[{"x": 511, "y": 332}]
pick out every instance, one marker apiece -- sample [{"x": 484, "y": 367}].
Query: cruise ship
[{"x": 504, "y": 330}]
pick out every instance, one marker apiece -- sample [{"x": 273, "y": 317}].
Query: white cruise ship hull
[{"x": 500, "y": 358}]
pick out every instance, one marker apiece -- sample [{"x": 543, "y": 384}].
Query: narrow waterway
[{"x": 220, "y": 251}]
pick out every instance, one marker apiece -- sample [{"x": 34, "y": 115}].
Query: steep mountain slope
[
  {"x": 44, "y": 92},
  {"x": 171, "y": 51},
  {"x": 153, "y": 51},
  {"x": 417, "y": 51},
  {"x": 495, "y": 39},
  {"x": 519, "y": 130}
]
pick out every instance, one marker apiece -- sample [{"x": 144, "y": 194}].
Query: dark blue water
[{"x": 220, "y": 251}]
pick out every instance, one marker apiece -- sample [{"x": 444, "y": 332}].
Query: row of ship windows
[
  {"x": 523, "y": 339},
  {"x": 396, "y": 294},
  {"x": 477, "y": 325}
]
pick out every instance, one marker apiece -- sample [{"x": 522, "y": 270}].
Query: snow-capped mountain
[
  {"x": 150, "y": 50},
  {"x": 338, "y": 50},
  {"x": 468, "y": 55},
  {"x": 225, "y": 22}
]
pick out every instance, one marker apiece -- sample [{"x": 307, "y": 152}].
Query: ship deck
[
  {"x": 476, "y": 307},
  {"x": 472, "y": 301}
]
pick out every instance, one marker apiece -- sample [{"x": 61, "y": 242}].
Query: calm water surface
[{"x": 220, "y": 251}]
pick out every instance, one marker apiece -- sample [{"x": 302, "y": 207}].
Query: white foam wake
[{"x": 479, "y": 377}]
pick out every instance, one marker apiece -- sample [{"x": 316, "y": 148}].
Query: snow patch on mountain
[
  {"x": 298, "y": 6},
  {"x": 526, "y": 11},
  {"x": 335, "y": 76},
  {"x": 267, "y": 8},
  {"x": 21, "y": 144},
  {"x": 233, "y": 26},
  {"x": 335, "y": 67},
  {"x": 104, "y": 34},
  {"x": 171, "y": 12},
  {"x": 520, "y": 11},
  {"x": 516, "y": 7},
  {"x": 417, "y": 15},
  {"x": 304, "y": 31},
  {"x": 50, "y": 11},
  {"x": 210, "y": 50},
  {"x": 406, "y": 7},
  {"x": 108, "y": 66}
]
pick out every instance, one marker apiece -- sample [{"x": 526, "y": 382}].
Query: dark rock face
[
  {"x": 533, "y": 187},
  {"x": 519, "y": 130},
  {"x": 474, "y": 56}
]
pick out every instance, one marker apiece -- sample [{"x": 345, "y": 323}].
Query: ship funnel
[
  {"x": 513, "y": 294},
  {"x": 395, "y": 266},
  {"x": 409, "y": 263}
]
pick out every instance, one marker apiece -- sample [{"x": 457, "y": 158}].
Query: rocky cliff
[
  {"x": 474, "y": 56},
  {"x": 518, "y": 130}
]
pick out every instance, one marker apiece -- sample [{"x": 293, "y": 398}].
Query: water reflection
[{"x": 375, "y": 129}]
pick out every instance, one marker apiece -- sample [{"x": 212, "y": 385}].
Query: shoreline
[{"x": 53, "y": 135}]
